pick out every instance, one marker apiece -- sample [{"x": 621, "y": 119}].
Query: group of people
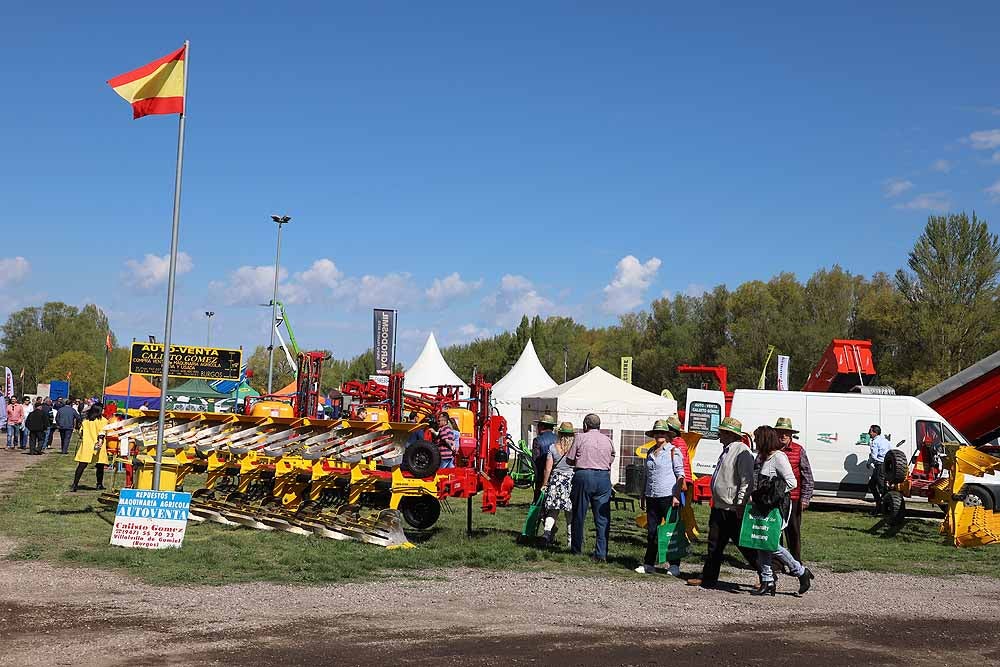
[
  {"x": 32, "y": 425},
  {"x": 573, "y": 470}
]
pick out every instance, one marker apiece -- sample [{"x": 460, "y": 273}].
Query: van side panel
[{"x": 836, "y": 421}]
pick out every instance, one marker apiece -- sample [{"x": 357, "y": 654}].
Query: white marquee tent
[
  {"x": 624, "y": 409},
  {"x": 526, "y": 377},
  {"x": 431, "y": 370}
]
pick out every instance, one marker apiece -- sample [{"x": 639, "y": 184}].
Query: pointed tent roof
[
  {"x": 288, "y": 389},
  {"x": 527, "y": 376},
  {"x": 196, "y": 387},
  {"x": 430, "y": 370},
  {"x": 599, "y": 391},
  {"x": 140, "y": 387}
]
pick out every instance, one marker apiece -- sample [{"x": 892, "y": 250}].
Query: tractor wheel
[
  {"x": 977, "y": 496},
  {"x": 895, "y": 467},
  {"x": 420, "y": 512},
  {"x": 422, "y": 459},
  {"x": 893, "y": 506}
]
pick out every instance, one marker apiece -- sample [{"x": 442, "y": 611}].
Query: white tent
[
  {"x": 431, "y": 370},
  {"x": 626, "y": 411},
  {"x": 526, "y": 377}
]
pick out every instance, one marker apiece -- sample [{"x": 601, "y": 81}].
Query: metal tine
[
  {"x": 203, "y": 432},
  {"x": 376, "y": 450},
  {"x": 358, "y": 441},
  {"x": 369, "y": 443}
]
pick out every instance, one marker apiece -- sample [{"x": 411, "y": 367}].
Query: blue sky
[{"x": 469, "y": 163}]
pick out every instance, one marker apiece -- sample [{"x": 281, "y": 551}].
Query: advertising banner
[
  {"x": 150, "y": 519},
  {"x": 8, "y": 382},
  {"x": 627, "y": 369},
  {"x": 385, "y": 341},
  {"x": 782, "y": 373},
  {"x": 187, "y": 361}
]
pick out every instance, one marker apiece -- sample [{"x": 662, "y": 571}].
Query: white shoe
[
  {"x": 674, "y": 570},
  {"x": 645, "y": 569}
]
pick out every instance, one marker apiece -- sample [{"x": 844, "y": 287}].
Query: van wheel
[
  {"x": 977, "y": 496},
  {"x": 893, "y": 506},
  {"x": 895, "y": 466}
]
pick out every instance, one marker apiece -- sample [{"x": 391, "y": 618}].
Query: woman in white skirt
[{"x": 558, "y": 483}]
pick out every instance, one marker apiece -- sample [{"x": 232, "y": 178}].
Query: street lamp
[
  {"x": 209, "y": 314},
  {"x": 280, "y": 220}
]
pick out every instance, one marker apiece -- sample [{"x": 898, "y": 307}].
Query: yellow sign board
[
  {"x": 627, "y": 369},
  {"x": 187, "y": 361}
]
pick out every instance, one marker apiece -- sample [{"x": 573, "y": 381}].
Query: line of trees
[{"x": 937, "y": 315}]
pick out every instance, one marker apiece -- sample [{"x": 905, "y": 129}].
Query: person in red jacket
[{"x": 802, "y": 494}]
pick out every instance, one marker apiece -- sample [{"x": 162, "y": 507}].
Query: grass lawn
[{"x": 55, "y": 525}]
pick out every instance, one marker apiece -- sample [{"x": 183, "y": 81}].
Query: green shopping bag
[
  {"x": 761, "y": 532},
  {"x": 534, "y": 517},
  {"x": 671, "y": 538}
]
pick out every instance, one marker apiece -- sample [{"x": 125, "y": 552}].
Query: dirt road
[{"x": 54, "y": 616}]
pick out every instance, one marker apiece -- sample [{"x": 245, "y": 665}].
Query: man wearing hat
[
  {"x": 731, "y": 482},
  {"x": 540, "y": 449},
  {"x": 802, "y": 494}
]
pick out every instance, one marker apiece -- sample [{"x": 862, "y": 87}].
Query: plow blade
[{"x": 385, "y": 529}]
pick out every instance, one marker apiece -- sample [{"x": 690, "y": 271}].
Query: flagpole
[
  {"x": 172, "y": 273},
  {"x": 104, "y": 383}
]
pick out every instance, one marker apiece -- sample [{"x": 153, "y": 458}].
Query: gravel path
[{"x": 54, "y": 615}]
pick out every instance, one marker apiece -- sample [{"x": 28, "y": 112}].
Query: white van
[{"x": 831, "y": 426}]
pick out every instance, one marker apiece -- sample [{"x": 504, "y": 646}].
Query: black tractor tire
[
  {"x": 420, "y": 512},
  {"x": 893, "y": 506},
  {"x": 422, "y": 459},
  {"x": 978, "y": 495},
  {"x": 895, "y": 467}
]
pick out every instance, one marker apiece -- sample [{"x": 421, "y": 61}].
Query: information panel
[
  {"x": 150, "y": 519},
  {"x": 187, "y": 361},
  {"x": 704, "y": 418}
]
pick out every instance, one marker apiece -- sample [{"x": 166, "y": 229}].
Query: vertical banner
[
  {"x": 626, "y": 374},
  {"x": 782, "y": 372},
  {"x": 8, "y": 382},
  {"x": 385, "y": 341}
]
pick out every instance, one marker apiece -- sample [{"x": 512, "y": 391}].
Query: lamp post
[
  {"x": 280, "y": 220},
  {"x": 209, "y": 314}
]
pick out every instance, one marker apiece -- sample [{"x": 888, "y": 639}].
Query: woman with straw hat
[
  {"x": 540, "y": 446},
  {"x": 557, "y": 480},
  {"x": 801, "y": 494},
  {"x": 664, "y": 477}
]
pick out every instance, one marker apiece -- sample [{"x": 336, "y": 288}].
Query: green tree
[
  {"x": 82, "y": 369},
  {"x": 952, "y": 294},
  {"x": 257, "y": 364}
]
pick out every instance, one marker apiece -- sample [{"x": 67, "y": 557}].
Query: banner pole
[
  {"x": 172, "y": 275},
  {"x": 104, "y": 382}
]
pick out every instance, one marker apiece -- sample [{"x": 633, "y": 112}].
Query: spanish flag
[{"x": 156, "y": 88}]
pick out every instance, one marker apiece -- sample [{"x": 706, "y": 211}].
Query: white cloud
[
  {"x": 322, "y": 273},
  {"x": 893, "y": 187},
  {"x": 254, "y": 285},
  {"x": 154, "y": 270},
  {"x": 450, "y": 287},
  {"x": 985, "y": 139},
  {"x": 471, "y": 332},
  {"x": 942, "y": 166},
  {"x": 932, "y": 201},
  {"x": 14, "y": 269},
  {"x": 996, "y": 157},
  {"x": 517, "y": 297},
  {"x": 994, "y": 192},
  {"x": 628, "y": 288},
  {"x": 390, "y": 290}
]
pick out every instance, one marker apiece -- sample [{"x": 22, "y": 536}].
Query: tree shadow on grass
[
  {"x": 84, "y": 510},
  {"x": 889, "y": 530}
]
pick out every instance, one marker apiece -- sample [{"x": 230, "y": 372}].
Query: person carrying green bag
[
  {"x": 661, "y": 497},
  {"x": 767, "y": 515}
]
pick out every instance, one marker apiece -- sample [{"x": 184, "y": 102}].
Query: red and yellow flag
[{"x": 156, "y": 88}]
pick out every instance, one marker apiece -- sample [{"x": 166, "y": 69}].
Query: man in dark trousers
[
  {"x": 731, "y": 482},
  {"x": 801, "y": 494},
  {"x": 38, "y": 422},
  {"x": 540, "y": 450},
  {"x": 67, "y": 420},
  {"x": 591, "y": 455}
]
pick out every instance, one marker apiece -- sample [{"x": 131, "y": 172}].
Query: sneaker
[
  {"x": 674, "y": 570},
  {"x": 645, "y": 569}
]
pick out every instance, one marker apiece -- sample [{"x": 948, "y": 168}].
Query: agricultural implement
[
  {"x": 941, "y": 474},
  {"x": 342, "y": 479}
]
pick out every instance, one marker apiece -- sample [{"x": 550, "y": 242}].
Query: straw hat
[
  {"x": 566, "y": 428},
  {"x": 784, "y": 424},
  {"x": 734, "y": 426},
  {"x": 548, "y": 420},
  {"x": 675, "y": 424},
  {"x": 659, "y": 426}
]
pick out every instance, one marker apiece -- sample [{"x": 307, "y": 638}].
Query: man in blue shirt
[
  {"x": 878, "y": 447},
  {"x": 540, "y": 449}
]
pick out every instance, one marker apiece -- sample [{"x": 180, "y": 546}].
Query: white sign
[
  {"x": 380, "y": 379},
  {"x": 782, "y": 373},
  {"x": 150, "y": 519}
]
